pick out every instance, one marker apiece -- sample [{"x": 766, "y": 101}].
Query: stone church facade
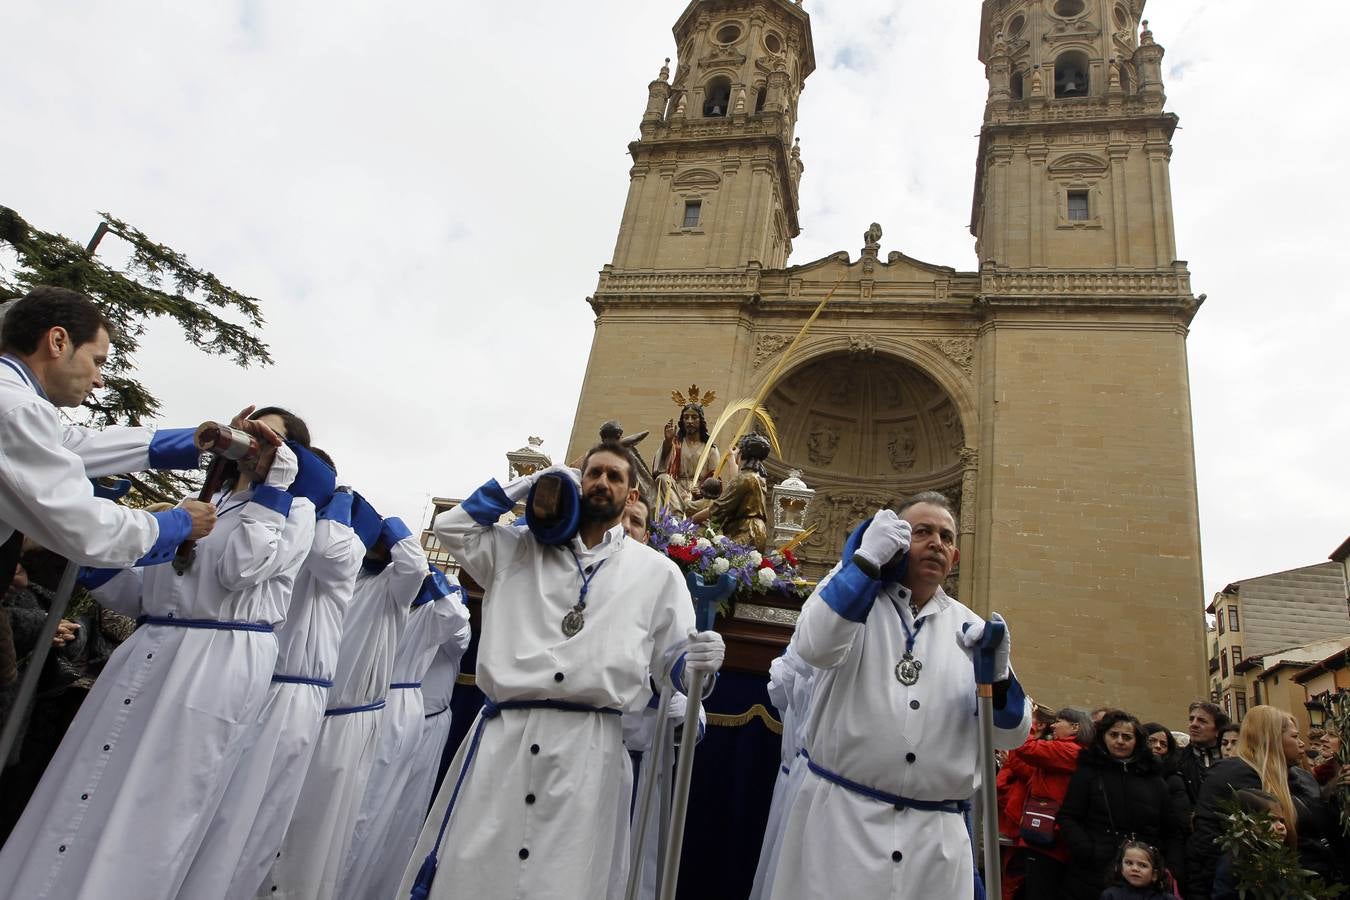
[{"x": 1046, "y": 391}]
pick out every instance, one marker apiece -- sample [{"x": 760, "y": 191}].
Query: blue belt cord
[
  {"x": 946, "y": 806},
  {"x": 421, "y": 888},
  {"x": 211, "y": 624},
  {"x": 300, "y": 679},
  {"x": 405, "y": 685},
  {"x": 348, "y": 710},
  {"x": 435, "y": 714}
]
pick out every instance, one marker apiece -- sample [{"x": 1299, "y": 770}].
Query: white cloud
[{"x": 422, "y": 195}]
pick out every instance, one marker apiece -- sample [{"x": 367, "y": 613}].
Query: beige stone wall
[{"x": 1088, "y": 530}]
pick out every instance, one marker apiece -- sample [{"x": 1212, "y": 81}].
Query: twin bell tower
[{"x": 1046, "y": 392}]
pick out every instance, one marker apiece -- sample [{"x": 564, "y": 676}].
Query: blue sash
[
  {"x": 212, "y": 624},
  {"x": 947, "y": 806},
  {"x": 300, "y": 679},
  {"x": 349, "y": 710}
]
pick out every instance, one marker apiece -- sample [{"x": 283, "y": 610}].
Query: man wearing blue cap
[{"x": 536, "y": 802}]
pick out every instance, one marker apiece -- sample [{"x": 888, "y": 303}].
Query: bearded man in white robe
[{"x": 535, "y": 803}]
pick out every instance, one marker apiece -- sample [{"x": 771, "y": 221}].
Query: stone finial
[
  {"x": 797, "y": 148},
  {"x": 872, "y": 237},
  {"x": 1146, "y": 37},
  {"x": 665, "y": 71},
  {"x": 679, "y": 105}
]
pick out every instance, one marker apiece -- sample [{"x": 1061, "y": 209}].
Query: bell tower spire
[
  {"x": 1076, "y": 143},
  {"x": 716, "y": 171}
]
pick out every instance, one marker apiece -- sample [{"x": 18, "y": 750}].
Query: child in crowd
[
  {"x": 1251, "y": 801},
  {"x": 1138, "y": 874}
]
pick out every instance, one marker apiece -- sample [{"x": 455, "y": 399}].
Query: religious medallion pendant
[
  {"x": 907, "y": 670},
  {"x": 573, "y": 622}
]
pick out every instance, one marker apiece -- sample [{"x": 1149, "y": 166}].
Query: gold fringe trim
[
  {"x": 755, "y": 712},
  {"x": 719, "y": 719}
]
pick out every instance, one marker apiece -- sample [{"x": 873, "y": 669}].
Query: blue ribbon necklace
[
  {"x": 908, "y": 668},
  {"x": 575, "y": 620}
]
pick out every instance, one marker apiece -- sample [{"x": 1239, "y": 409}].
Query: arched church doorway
[{"x": 866, "y": 429}]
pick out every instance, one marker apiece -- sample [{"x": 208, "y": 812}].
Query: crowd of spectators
[{"x": 1102, "y": 806}]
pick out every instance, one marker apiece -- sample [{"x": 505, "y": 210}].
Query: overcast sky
[{"x": 422, "y": 195}]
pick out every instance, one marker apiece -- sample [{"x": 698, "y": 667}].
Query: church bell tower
[
  {"x": 1084, "y": 399},
  {"x": 715, "y": 173}
]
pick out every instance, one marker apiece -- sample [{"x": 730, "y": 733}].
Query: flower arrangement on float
[{"x": 702, "y": 549}]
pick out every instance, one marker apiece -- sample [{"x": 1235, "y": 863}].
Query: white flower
[
  {"x": 721, "y": 564},
  {"x": 756, "y": 557},
  {"x": 678, "y": 540},
  {"x": 703, "y": 543},
  {"x": 766, "y": 577}
]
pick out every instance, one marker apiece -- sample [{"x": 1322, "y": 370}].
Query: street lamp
[{"x": 1317, "y": 711}]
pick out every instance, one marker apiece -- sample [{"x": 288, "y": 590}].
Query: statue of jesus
[{"x": 676, "y": 481}]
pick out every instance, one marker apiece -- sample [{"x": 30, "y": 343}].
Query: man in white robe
[
  {"x": 373, "y": 867},
  {"x": 55, "y": 342},
  {"x": 438, "y": 686},
  {"x": 541, "y": 788},
  {"x": 790, "y": 686},
  {"x": 309, "y": 861},
  {"x": 893, "y": 736},
  {"x": 242, "y": 842}
]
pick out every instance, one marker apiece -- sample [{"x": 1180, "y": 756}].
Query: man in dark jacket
[{"x": 1206, "y": 721}]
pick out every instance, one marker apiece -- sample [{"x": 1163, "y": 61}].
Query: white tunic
[
  {"x": 790, "y": 687},
  {"x": 242, "y": 841},
  {"x": 45, "y": 469},
  {"x": 374, "y": 866},
  {"x": 543, "y": 813},
  {"x": 310, "y": 858},
  {"x": 919, "y": 742},
  {"x": 146, "y": 760},
  {"x": 437, "y": 687}
]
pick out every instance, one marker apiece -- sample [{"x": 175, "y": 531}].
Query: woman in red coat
[{"x": 1046, "y": 764}]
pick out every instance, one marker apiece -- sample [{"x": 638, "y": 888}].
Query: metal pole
[
  {"x": 993, "y": 874},
  {"x": 653, "y": 759},
  {"x": 670, "y": 870},
  {"x": 36, "y": 660}
]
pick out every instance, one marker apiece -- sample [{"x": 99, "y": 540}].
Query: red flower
[
  {"x": 766, "y": 563},
  {"x": 686, "y": 555},
  {"x": 791, "y": 559}
]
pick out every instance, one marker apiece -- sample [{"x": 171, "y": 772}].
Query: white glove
[
  {"x": 676, "y": 706},
  {"x": 972, "y": 636},
  {"x": 705, "y": 652},
  {"x": 886, "y": 537},
  {"x": 520, "y": 488},
  {"x": 284, "y": 468}
]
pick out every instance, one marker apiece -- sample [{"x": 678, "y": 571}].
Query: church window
[
  {"x": 716, "y": 97},
  {"x": 760, "y": 96},
  {"x": 1079, "y": 210},
  {"x": 1016, "y": 24},
  {"x": 1067, "y": 9},
  {"x": 692, "y": 210},
  {"x": 1122, "y": 17},
  {"x": 1071, "y": 75},
  {"x": 773, "y": 43},
  {"x": 1017, "y": 85},
  {"x": 729, "y": 33}
]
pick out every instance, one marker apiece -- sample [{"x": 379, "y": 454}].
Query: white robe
[
  {"x": 310, "y": 858},
  {"x": 437, "y": 687},
  {"x": 544, "y": 811},
  {"x": 126, "y": 800},
  {"x": 790, "y": 687},
  {"x": 920, "y": 742},
  {"x": 45, "y": 469},
  {"x": 374, "y": 866},
  {"x": 251, "y": 821}
]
